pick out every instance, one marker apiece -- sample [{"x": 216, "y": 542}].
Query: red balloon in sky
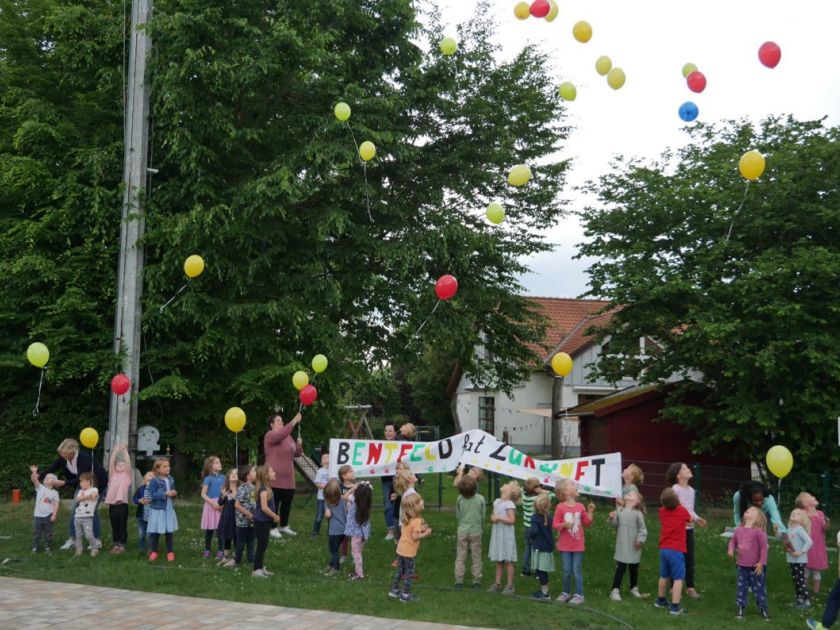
[
  {"x": 446, "y": 287},
  {"x": 540, "y": 8},
  {"x": 120, "y": 384},
  {"x": 770, "y": 54},
  {"x": 696, "y": 81},
  {"x": 308, "y": 395}
]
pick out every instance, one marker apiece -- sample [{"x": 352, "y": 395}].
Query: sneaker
[
  {"x": 170, "y": 557},
  {"x": 34, "y": 549},
  {"x": 692, "y": 593},
  {"x": 394, "y": 594},
  {"x": 94, "y": 552},
  {"x": 258, "y": 573},
  {"x": 459, "y": 586},
  {"x": 331, "y": 572},
  {"x": 803, "y": 605},
  {"x": 408, "y": 597},
  {"x": 114, "y": 550},
  {"x": 288, "y": 530},
  {"x": 275, "y": 534},
  {"x": 206, "y": 553},
  {"x": 540, "y": 595},
  {"x": 563, "y": 597},
  {"x": 679, "y": 610},
  {"x": 764, "y": 614},
  {"x": 495, "y": 588},
  {"x": 577, "y": 600},
  {"x": 153, "y": 556},
  {"x": 342, "y": 560},
  {"x": 635, "y": 592},
  {"x": 68, "y": 544},
  {"x": 389, "y": 535},
  {"x": 228, "y": 564},
  {"x": 508, "y": 590},
  {"x": 220, "y": 555},
  {"x": 267, "y": 572},
  {"x": 97, "y": 543},
  {"x": 77, "y": 554},
  {"x": 353, "y": 577},
  {"x": 740, "y": 613},
  {"x": 813, "y": 624},
  {"x": 47, "y": 550},
  {"x": 661, "y": 602},
  {"x": 476, "y": 586},
  {"x": 615, "y": 595}
]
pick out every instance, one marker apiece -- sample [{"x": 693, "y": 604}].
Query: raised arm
[
  {"x": 34, "y": 476},
  {"x": 273, "y": 438}
]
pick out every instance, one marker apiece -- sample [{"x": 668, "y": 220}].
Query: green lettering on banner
[
  {"x": 515, "y": 457},
  {"x": 417, "y": 447},
  {"x": 548, "y": 468},
  {"x": 358, "y": 447}
]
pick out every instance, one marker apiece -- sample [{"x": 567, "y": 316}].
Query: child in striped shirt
[{"x": 531, "y": 490}]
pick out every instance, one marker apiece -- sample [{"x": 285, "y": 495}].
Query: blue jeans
[
  {"x": 141, "y": 533},
  {"x": 319, "y": 516},
  {"x": 831, "y": 606},
  {"x": 97, "y": 532},
  {"x": 526, "y": 554},
  {"x": 335, "y": 544},
  {"x": 572, "y": 566},
  {"x": 387, "y": 489}
]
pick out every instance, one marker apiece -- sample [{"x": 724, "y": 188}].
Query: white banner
[{"x": 598, "y": 475}]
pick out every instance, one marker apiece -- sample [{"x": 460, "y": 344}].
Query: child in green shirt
[{"x": 469, "y": 511}]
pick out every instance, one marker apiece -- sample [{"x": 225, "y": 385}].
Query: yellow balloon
[
  {"x": 448, "y": 46},
  {"x": 367, "y": 150},
  {"x": 89, "y": 437},
  {"x": 561, "y": 363},
  {"x": 552, "y": 13},
  {"x": 519, "y": 175},
  {"x": 319, "y": 363},
  {"x": 582, "y": 31},
  {"x": 616, "y": 78},
  {"x": 193, "y": 266},
  {"x": 235, "y": 419},
  {"x": 779, "y": 461},
  {"x": 300, "y": 379},
  {"x": 495, "y": 213},
  {"x": 603, "y": 65},
  {"x": 342, "y": 111},
  {"x": 522, "y": 10},
  {"x": 38, "y": 354},
  {"x": 751, "y": 165},
  {"x": 688, "y": 69},
  {"x": 568, "y": 91}
]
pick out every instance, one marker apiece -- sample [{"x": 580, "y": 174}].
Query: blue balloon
[{"x": 688, "y": 111}]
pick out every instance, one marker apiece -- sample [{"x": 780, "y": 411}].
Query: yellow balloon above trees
[
  {"x": 603, "y": 65},
  {"x": 342, "y": 111},
  {"x": 367, "y": 150},
  {"x": 568, "y": 91},
  {"x": 235, "y": 419},
  {"x": 751, "y": 165},
  {"x": 582, "y": 31},
  {"x": 522, "y": 10},
  {"x": 552, "y": 12},
  {"x": 38, "y": 354},
  {"x": 300, "y": 379},
  {"x": 519, "y": 175},
  {"x": 616, "y": 78},
  {"x": 688, "y": 69},
  {"x": 194, "y": 266},
  {"x": 448, "y": 46},
  {"x": 495, "y": 213}
]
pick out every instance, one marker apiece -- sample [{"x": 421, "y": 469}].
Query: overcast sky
[{"x": 651, "y": 40}]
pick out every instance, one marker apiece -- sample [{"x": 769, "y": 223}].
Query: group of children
[{"x": 239, "y": 512}]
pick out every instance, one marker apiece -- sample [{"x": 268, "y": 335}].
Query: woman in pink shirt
[
  {"x": 570, "y": 519},
  {"x": 280, "y": 452}
]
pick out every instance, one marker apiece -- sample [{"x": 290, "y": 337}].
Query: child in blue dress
[
  {"x": 541, "y": 539},
  {"x": 162, "y": 518}
]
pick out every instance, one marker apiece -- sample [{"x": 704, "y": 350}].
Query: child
[
  {"x": 633, "y": 477},
  {"x": 347, "y": 482},
  {"x": 570, "y": 519},
  {"x": 502, "y": 536},
  {"x": 541, "y": 538},
  {"x": 832, "y": 604},
  {"x": 116, "y": 497},
  {"x": 86, "y": 499},
  {"x": 321, "y": 479},
  {"x": 750, "y": 541},
  {"x": 264, "y": 518},
  {"x": 357, "y": 528},
  {"x": 46, "y": 509},
  {"x": 799, "y": 536},
  {"x": 413, "y": 530},
  {"x": 245, "y": 505},
  {"x": 142, "y": 515},
  {"x": 677, "y": 476},
  {"x": 469, "y": 512},
  {"x": 672, "y": 521},
  {"x": 227, "y": 520},
  {"x": 162, "y": 517},
  {"x": 336, "y": 512},
  {"x": 532, "y": 490},
  {"x": 817, "y": 555},
  {"x": 631, "y": 534},
  {"x": 475, "y": 472},
  {"x": 211, "y": 488}
]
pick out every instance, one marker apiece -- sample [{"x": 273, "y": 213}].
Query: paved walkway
[{"x": 34, "y": 604}]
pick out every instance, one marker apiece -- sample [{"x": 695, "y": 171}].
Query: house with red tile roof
[{"x": 524, "y": 417}]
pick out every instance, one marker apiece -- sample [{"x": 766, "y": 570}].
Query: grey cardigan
[{"x": 630, "y": 524}]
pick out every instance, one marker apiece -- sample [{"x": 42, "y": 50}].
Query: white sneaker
[
  {"x": 258, "y": 573},
  {"x": 635, "y": 592},
  {"x": 288, "y": 530},
  {"x": 267, "y": 572},
  {"x": 275, "y": 533},
  {"x": 68, "y": 544},
  {"x": 576, "y": 600},
  {"x": 563, "y": 597},
  {"x": 615, "y": 595},
  {"x": 389, "y": 535}
]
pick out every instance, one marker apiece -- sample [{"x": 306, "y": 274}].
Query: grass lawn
[{"x": 298, "y": 581}]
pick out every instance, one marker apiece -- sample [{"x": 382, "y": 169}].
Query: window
[{"x": 487, "y": 414}]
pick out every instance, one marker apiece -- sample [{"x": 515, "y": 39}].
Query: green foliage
[
  {"x": 756, "y": 313},
  {"x": 257, "y": 176}
]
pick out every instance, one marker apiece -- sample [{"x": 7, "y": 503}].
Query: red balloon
[
  {"x": 696, "y": 81},
  {"x": 308, "y": 395},
  {"x": 120, "y": 384},
  {"x": 540, "y": 8},
  {"x": 446, "y": 287},
  {"x": 770, "y": 54}
]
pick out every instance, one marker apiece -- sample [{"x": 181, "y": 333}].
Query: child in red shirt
[
  {"x": 570, "y": 519},
  {"x": 672, "y": 548}
]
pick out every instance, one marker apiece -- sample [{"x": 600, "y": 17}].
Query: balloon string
[
  {"x": 172, "y": 299},
  {"x": 236, "y": 455},
  {"x": 425, "y": 321},
  {"x": 364, "y": 169},
  {"x": 36, "y": 411},
  {"x": 732, "y": 224}
]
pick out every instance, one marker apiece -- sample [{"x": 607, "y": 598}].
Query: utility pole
[
  {"x": 123, "y": 413},
  {"x": 556, "y": 417}
]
